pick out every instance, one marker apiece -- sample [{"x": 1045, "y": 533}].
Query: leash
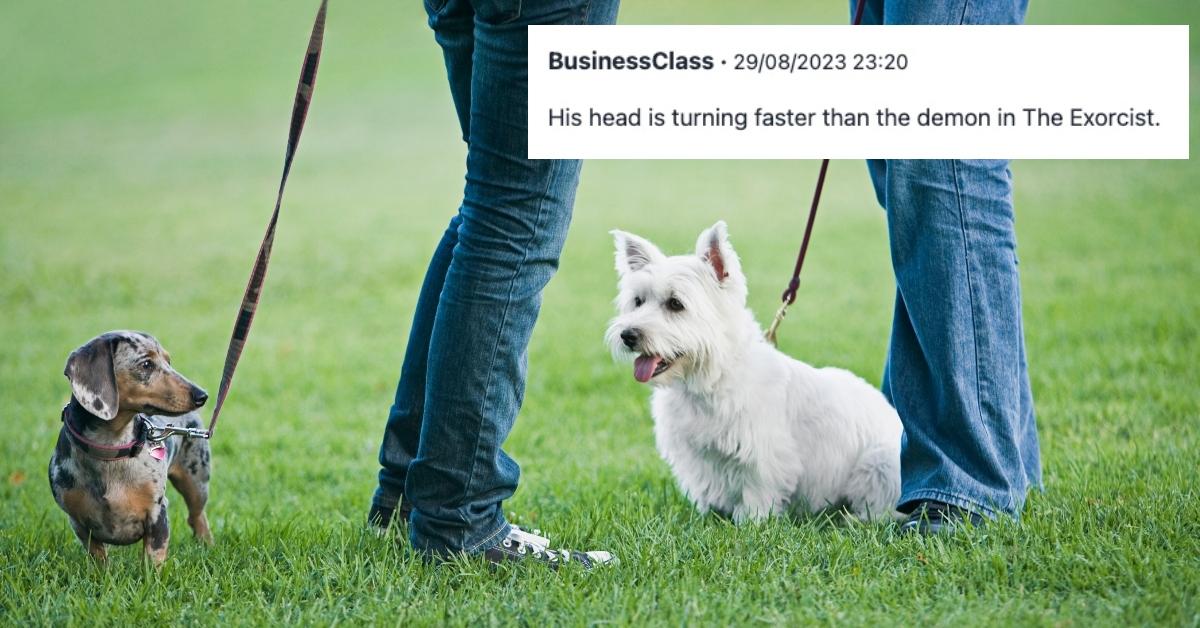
[
  {"x": 241, "y": 327},
  {"x": 789, "y": 295},
  {"x": 148, "y": 432}
]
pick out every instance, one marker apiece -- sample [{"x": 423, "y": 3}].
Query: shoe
[
  {"x": 521, "y": 545},
  {"x": 933, "y": 517},
  {"x": 380, "y": 517}
]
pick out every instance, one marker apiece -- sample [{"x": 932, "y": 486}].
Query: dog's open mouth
[{"x": 646, "y": 367}]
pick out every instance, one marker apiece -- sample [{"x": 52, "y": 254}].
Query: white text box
[{"x": 805, "y": 92}]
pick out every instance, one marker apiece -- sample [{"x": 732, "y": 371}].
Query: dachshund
[{"x": 106, "y": 473}]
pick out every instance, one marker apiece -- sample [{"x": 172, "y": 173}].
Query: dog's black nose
[
  {"x": 199, "y": 397},
  {"x": 631, "y": 337}
]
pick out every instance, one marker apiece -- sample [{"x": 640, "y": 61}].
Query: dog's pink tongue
[{"x": 643, "y": 367}]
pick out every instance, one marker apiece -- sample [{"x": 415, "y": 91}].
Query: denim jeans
[
  {"x": 956, "y": 369},
  {"x": 463, "y": 375}
]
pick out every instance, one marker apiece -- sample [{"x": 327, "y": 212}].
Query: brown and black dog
[{"x": 105, "y": 474}]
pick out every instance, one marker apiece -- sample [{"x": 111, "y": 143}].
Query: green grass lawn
[{"x": 139, "y": 149}]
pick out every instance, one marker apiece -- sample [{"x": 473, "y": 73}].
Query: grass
[{"x": 138, "y": 150}]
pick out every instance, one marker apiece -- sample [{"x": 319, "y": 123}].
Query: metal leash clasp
[
  {"x": 789, "y": 297},
  {"x": 156, "y": 433},
  {"x": 773, "y": 330}
]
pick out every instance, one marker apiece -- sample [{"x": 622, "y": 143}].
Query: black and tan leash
[
  {"x": 241, "y": 328},
  {"x": 789, "y": 295}
]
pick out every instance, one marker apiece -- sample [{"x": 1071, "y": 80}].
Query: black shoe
[
  {"x": 934, "y": 517},
  {"x": 522, "y": 545},
  {"x": 380, "y": 517}
]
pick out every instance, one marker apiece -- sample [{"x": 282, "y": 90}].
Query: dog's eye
[
  {"x": 147, "y": 365},
  {"x": 637, "y": 301},
  {"x": 675, "y": 305}
]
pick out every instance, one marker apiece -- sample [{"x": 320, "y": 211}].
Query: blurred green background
[{"x": 140, "y": 144}]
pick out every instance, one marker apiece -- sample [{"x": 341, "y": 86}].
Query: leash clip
[
  {"x": 773, "y": 330},
  {"x": 156, "y": 433}
]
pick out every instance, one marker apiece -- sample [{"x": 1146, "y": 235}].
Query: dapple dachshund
[{"x": 105, "y": 474}]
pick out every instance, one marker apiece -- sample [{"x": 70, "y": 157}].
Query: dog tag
[{"x": 158, "y": 452}]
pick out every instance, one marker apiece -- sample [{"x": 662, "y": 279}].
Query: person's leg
[
  {"x": 402, "y": 432},
  {"x": 515, "y": 214},
  {"x": 956, "y": 368},
  {"x": 453, "y": 24}
]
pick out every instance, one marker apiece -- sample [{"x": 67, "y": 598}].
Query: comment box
[{"x": 851, "y": 92}]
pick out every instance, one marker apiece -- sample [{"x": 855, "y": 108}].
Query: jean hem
[
  {"x": 489, "y": 541},
  {"x": 954, "y": 499}
]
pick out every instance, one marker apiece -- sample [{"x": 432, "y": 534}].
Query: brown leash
[
  {"x": 241, "y": 328},
  {"x": 789, "y": 295}
]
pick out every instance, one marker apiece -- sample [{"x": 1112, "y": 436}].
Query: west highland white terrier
[{"x": 748, "y": 431}]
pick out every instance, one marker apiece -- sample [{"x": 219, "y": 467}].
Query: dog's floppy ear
[
  {"x": 714, "y": 248},
  {"x": 633, "y": 252},
  {"x": 93, "y": 382}
]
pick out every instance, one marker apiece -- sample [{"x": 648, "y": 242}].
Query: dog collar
[{"x": 101, "y": 451}]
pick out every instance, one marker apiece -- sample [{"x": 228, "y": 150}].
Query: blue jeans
[
  {"x": 956, "y": 369},
  {"x": 463, "y": 374}
]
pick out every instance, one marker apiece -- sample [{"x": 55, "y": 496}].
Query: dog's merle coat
[{"x": 114, "y": 378}]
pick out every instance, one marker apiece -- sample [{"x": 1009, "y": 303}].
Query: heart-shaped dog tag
[{"x": 158, "y": 452}]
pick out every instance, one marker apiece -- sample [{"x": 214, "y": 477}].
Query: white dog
[{"x": 748, "y": 431}]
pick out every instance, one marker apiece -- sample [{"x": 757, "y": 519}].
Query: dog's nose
[
  {"x": 631, "y": 337},
  {"x": 199, "y": 397}
]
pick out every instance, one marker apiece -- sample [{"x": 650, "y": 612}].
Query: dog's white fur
[{"x": 747, "y": 431}]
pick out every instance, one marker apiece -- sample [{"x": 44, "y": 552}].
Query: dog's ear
[
  {"x": 93, "y": 382},
  {"x": 633, "y": 252},
  {"x": 714, "y": 248}
]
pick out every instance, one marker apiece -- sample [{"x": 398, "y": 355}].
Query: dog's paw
[{"x": 747, "y": 514}]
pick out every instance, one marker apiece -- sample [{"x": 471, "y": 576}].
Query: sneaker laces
[
  {"x": 533, "y": 538},
  {"x": 539, "y": 547}
]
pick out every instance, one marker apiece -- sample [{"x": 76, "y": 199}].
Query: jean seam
[
  {"x": 517, "y": 15},
  {"x": 487, "y": 540},
  {"x": 962, "y": 221},
  {"x": 962, "y": 19}
]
